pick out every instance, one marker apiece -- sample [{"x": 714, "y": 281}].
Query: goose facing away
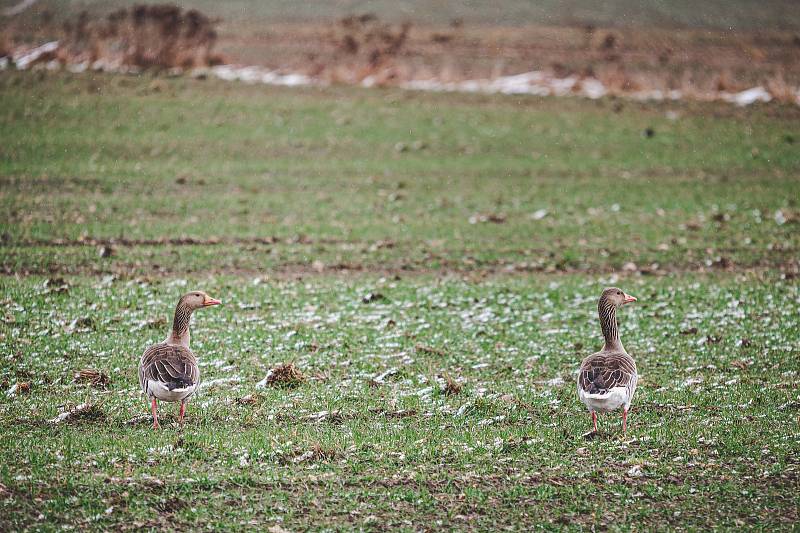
[
  {"x": 607, "y": 379},
  {"x": 168, "y": 370}
]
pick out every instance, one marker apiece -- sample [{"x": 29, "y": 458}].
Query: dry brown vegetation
[
  {"x": 363, "y": 49},
  {"x": 144, "y": 36},
  {"x": 623, "y": 59}
]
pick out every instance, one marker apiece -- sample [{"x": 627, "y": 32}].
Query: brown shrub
[{"x": 146, "y": 36}]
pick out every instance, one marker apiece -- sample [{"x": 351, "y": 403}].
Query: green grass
[
  {"x": 292, "y": 205},
  {"x": 174, "y": 158},
  {"x": 710, "y": 443}
]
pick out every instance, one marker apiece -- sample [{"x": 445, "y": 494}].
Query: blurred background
[{"x": 647, "y": 50}]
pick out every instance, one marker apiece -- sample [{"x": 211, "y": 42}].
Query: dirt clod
[
  {"x": 105, "y": 251},
  {"x": 285, "y": 375},
  {"x": 81, "y": 412},
  {"x": 373, "y": 297}
]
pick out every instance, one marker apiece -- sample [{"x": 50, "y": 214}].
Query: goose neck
[
  {"x": 180, "y": 325},
  {"x": 608, "y": 325}
]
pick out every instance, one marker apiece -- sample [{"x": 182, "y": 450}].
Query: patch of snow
[
  {"x": 539, "y": 214},
  {"x": 26, "y": 59},
  {"x": 748, "y": 97},
  {"x": 252, "y": 74}
]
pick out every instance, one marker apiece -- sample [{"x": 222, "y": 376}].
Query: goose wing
[
  {"x": 604, "y": 371},
  {"x": 172, "y": 365}
]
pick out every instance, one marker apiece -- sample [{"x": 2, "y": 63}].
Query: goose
[
  {"x": 168, "y": 370},
  {"x": 607, "y": 379}
]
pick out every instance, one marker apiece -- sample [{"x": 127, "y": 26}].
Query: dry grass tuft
[
  {"x": 429, "y": 350},
  {"x": 93, "y": 377},
  {"x": 146, "y": 36},
  {"x": 451, "y": 386},
  {"x": 366, "y": 48},
  {"x": 781, "y": 90},
  {"x": 285, "y": 375}
]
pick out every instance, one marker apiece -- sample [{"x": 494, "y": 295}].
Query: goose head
[
  {"x": 616, "y": 297},
  {"x": 198, "y": 299}
]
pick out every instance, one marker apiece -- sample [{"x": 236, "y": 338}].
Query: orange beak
[
  {"x": 628, "y": 299},
  {"x": 209, "y": 301}
]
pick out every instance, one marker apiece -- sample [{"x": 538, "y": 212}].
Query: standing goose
[
  {"x": 607, "y": 379},
  {"x": 168, "y": 370}
]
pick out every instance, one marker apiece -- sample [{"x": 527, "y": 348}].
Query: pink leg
[
  {"x": 183, "y": 410},
  {"x": 624, "y": 420},
  {"x": 594, "y": 421},
  {"x": 155, "y": 414}
]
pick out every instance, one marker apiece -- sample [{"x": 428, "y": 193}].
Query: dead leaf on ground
[
  {"x": 249, "y": 399},
  {"x": 84, "y": 323},
  {"x": 316, "y": 453},
  {"x": 402, "y": 413},
  {"x": 21, "y": 387},
  {"x": 741, "y": 364},
  {"x": 95, "y": 378},
  {"x": 430, "y": 350},
  {"x": 495, "y": 218}
]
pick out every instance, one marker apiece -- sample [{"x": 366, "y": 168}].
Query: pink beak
[
  {"x": 628, "y": 299},
  {"x": 210, "y": 301}
]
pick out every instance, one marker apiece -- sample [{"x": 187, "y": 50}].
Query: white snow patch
[{"x": 24, "y": 60}]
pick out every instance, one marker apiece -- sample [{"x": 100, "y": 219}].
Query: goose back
[{"x": 169, "y": 372}]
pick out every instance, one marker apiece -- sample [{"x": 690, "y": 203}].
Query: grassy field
[{"x": 483, "y": 227}]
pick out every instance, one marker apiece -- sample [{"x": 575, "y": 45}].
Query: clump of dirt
[
  {"x": 55, "y": 285},
  {"x": 95, "y": 378},
  {"x": 158, "y": 36},
  {"x": 285, "y": 375},
  {"x": 81, "y": 412}
]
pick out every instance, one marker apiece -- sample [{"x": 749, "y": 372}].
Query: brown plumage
[
  {"x": 601, "y": 372},
  {"x": 170, "y": 364},
  {"x": 168, "y": 370},
  {"x": 607, "y": 379}
]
